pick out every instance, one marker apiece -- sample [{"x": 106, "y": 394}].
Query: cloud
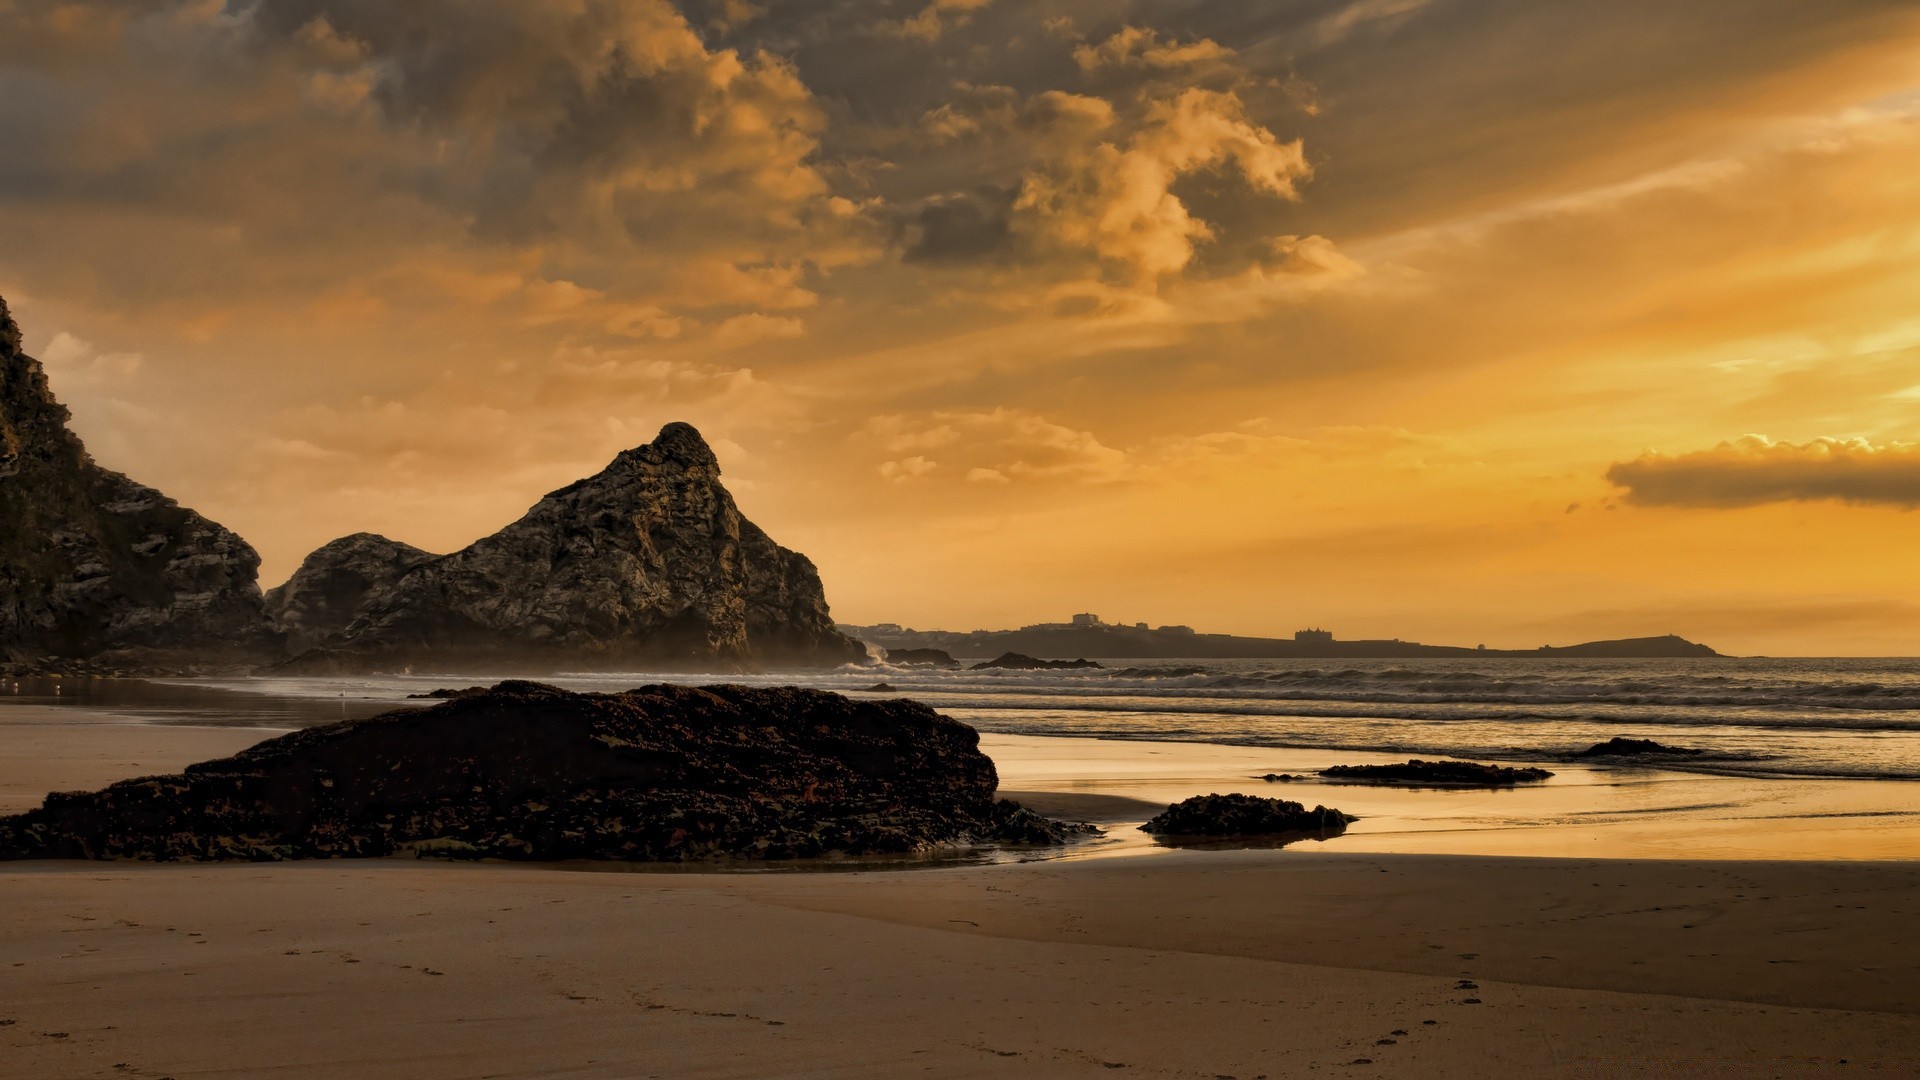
[
  {"x": 995, "y": 111},
  {"x": 1142, "y": 47},
  {"x": 1362, "y": 13},
  {"x": 966, "y": 226},
  {"x": 755, "y": 327},
  {"x": 1096, "y": 185},
  {"x": 936, "y": 19},
  {"x": 71, "y": 361},
  {"x": 1754, "y": 470},
  {"x": 601, "y": 144},
  {"x": 999, "y": 445},
  {"x": 906, "y": 469},
  {"x": 1116, "y": 200}
]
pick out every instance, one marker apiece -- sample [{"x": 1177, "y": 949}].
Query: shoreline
[
  {"x": 1612, "y": 811},
  {"x": 1119, "y": 956}
]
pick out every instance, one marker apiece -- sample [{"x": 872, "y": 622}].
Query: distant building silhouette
[
  {"x": 1087, "y": 619},
  {"x": 1314, "y": 635}
]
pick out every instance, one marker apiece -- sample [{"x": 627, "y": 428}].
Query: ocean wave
[{"x": 1834, "y": 719}]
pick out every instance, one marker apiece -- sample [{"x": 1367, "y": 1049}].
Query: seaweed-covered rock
[
  {"x": 1436, "y": 774},
  {"x": 1623, "y": 747},
  {"x": 1022, "y": 662},
  {"x": 1244, "y": 815},
  {"x": 527, "y": 771}
]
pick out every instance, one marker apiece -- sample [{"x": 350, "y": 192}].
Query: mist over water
[{"x": 1760, "y": 717}]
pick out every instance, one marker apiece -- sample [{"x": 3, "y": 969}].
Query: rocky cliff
[
  {"x": 93, "y": 564},
  {"x": 646, "y": 564},
  {"x": 334, "y": 584},
  {"x": 525, "y": 771}
]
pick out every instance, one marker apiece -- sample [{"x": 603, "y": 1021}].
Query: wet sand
[
  {"x": 1315, "y": 959},
  {"x": 1609, "y": 812},
  {"x": 1190, "y": 965}
]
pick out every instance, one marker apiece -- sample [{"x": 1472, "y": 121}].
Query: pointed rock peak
[
  {"x": 682, "y": 443},
  {"x": 10, "y": 334}
]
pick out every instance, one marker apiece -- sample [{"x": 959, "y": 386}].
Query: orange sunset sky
[{"x": 1501, "y": 321}]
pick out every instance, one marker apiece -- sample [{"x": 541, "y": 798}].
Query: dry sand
[{"x": 1305, "y": 961}]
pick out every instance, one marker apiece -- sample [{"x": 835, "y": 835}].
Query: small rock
[{"x": 1436, "y": 774}]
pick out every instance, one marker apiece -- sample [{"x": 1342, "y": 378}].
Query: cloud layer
[{"x": 1753, "y": 470}]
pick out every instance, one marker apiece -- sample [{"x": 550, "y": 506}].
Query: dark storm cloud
[{"x": 965, "y": 227}]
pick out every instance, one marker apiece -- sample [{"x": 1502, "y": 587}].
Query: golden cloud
[{"x": 1753, "y": 470}]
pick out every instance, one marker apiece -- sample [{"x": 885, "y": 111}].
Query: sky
[{"x": 1465, "y": 321}]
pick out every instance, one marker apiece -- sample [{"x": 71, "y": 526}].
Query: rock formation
[
  {"x": 1420, "y": 773},
  {"x": 937, "y": 658},
  {"x": 1014, "y": 661},
  {"x": 647, "y": 564},
  {"x": 333, "y": 585},
  {"x": 1245, "y": 815},
  {"x": 94, "y": 566},
  {"x": 1619, "y": 746},
  {"x": 526, "y": 771}
]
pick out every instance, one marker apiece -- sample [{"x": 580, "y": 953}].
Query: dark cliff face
[
  {"x": 333, "y": 585},
  {"x": 524, "y": 771},
  {"x": 92, "y": 562},
  {"x": 647, "y": 563}
]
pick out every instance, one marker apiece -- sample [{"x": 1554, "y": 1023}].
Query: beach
[{"x": 1316, "y": 958}]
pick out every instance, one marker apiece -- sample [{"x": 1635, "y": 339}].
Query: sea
[{"x": 1812, "y": 718}]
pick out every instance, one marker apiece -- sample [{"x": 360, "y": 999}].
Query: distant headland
[{"x": 1087, "y": 634}]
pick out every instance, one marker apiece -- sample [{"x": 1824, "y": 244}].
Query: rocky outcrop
[
  {"x": 96, "y": 567},
  {"x": 1666, "y": 646},
  {"x": 527, "y": 771},
  {"x": 1245, "y": 815},
  {"x": 937, "y": 658},
  {"x": 1021, "y": 662},
  {"x": 646, "y": 565},
  {"x": 1420, "y": 773},
  {"x": 448, "y": 693},
  {"x": 1624, "y": 747},
  {"x": 333, "y": 585}
]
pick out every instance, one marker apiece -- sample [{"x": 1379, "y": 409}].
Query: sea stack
[
  {"x": 333, "y": 585},
  {"x": 646, "y": 564},
  {"x": 95, "y": 567}
]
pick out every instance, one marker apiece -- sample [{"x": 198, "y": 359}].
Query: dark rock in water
[
  {"x": 1436, "y": 774},
  {"x": 646, "y": 564},
  {"x": 1622, "y": 747},
  {"x": 94, "y": 565},
  {"x": 1245, "y": 815},
  {"x": 333, "y": 585},
  {"x": 919, "y": 658},
  {"x": 1022, "y": 662},
  {"x": 1282, "y": 778},
  {"x": 527, "y": 771},
  {"x": 450, "y": 693},
  {"x": 882, "y": 688}
]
